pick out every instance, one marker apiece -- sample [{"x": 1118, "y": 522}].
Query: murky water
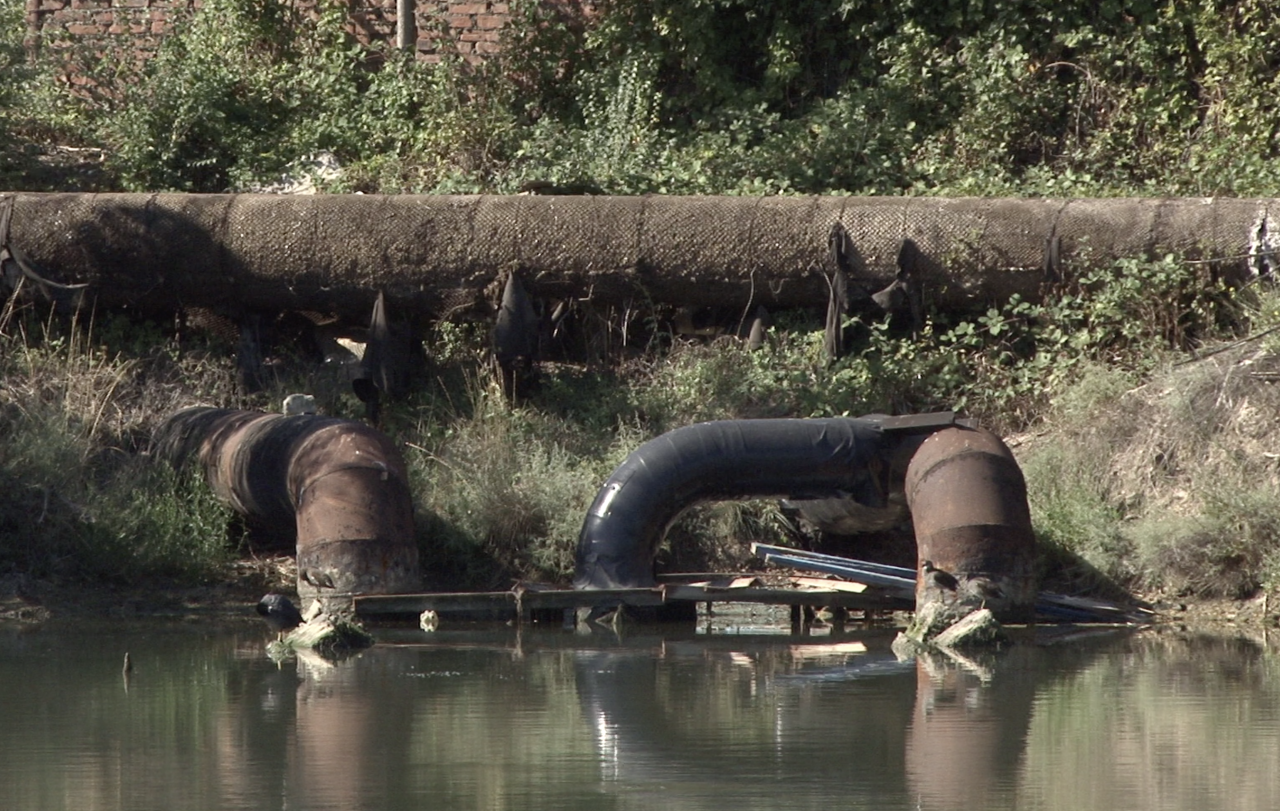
[{"x": 546, "y": 719}]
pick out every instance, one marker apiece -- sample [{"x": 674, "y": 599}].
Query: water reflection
[
  {"x": 494, "y": 719},
  {"x": 699, "y": 723},
  {"x": 1176, "y": 722},
  {"x": 968, "y": 728}
]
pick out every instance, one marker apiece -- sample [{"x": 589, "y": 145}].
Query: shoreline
[{"x": 28, "y": 602}]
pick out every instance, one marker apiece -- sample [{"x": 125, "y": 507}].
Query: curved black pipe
[{"x": 730, "y": 459}]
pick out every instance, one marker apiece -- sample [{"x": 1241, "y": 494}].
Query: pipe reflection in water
[
  {"x": 698, "y": 722},
  {"x": 968, "y": 730},
  {"x": 496, "y": 720}
]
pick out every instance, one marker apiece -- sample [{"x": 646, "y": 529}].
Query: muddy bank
[
  {"x": 30, "y": 602},
  {"x": 27, "y": 600}
]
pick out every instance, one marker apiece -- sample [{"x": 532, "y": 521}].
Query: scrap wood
[{"x": 822, "y": 584}]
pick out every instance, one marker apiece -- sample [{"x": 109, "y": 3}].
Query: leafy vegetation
[
  {"x": 501, "y": 488},
  {"x": 710, "y": 96},
  {"x": 687, "y": 96},
  {"x": 82, "y": 499}
]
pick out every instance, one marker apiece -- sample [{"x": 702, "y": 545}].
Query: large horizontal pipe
[
  {"x": 332, "y": 253},
  {"x": 339, "y": 487}
]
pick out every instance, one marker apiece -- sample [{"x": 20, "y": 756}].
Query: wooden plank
[
  {"x": 857, "y": 574},
  {"x": 827, "y": 650},
  {"x": 578, "y": 598},
  {"x": 772, "y": 596},
  {"x": 818, "y": 584},
  {"x": 822, "y": 593},
  {"x": 1049, "y": 606},
  {"x": 501, "y": 601},
  {"x": 764, "y": 549},
  {"x": 390, "y": 604}
]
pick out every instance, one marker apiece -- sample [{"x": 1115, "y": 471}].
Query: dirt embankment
[{"x": 27, "y": 600}]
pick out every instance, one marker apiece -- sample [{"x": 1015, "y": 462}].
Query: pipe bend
[
  {"x": 723, "y": 460},
  {"x": 337, "y": 487}
]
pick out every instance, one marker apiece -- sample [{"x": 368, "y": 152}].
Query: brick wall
[
  {"x": 129, "y": 27},
  {"x": 135, "y": 27}
]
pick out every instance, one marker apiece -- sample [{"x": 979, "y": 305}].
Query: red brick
[{"x": 139, "y": 25}]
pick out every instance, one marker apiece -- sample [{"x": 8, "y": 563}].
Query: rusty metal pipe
[
  {"x": 337, "y": 486},
  {"x": 975, "y": 546}
]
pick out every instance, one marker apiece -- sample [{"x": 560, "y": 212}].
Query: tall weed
[{"x": 83, "y": 501}]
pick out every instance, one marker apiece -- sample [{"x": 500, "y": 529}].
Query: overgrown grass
[
  {"x": 82, "y": 499},
  {"x": 1165, "y": 482},
  {"x": 1147, "y": 469}
]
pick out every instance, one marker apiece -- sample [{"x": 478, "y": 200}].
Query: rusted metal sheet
[
  {"x": 339, "y": 486},
  {"x": 975, "y": 546}
]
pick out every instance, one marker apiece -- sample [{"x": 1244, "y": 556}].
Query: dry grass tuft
[{"x": 1172, "y": 486}]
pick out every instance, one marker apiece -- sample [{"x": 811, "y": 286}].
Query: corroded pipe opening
[
  {"x": 975, "y": 546},
  {"x": 338, "y": 487}
]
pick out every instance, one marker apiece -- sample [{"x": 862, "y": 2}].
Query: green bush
[
  {"x": 723, "y": 97},
  {"x": 707, "y": 97}
]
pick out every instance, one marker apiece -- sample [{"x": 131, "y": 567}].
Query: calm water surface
[{"x": 488, "y": 718}]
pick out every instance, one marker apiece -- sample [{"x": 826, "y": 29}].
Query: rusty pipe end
[{"x": 974, "y": 540}]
